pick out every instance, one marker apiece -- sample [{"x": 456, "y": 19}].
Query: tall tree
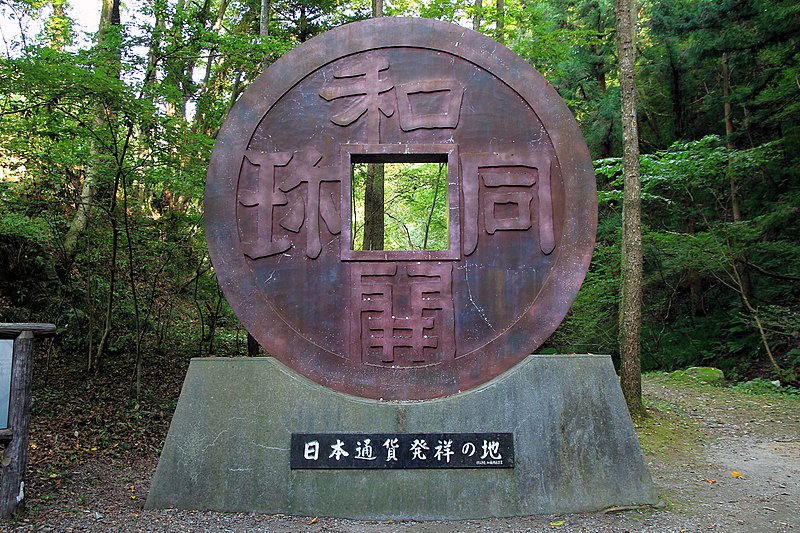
[
  {"x": 477, "y": 15},
  {"x": 632, "y": 262},
  {"x": 109, "y": 44},
  {"x": 742, "y": 274},
  {"x": 59, "y": 27},
  {"x": 500, "y": 21},
  {"x": 263, "y": 28}
]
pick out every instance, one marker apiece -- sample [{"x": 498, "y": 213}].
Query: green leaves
[
  {"x": 695, "y": 254},
  {"x": 415, "y": 204}
]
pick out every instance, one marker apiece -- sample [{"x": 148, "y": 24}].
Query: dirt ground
[{"x": 722, "y": 460}]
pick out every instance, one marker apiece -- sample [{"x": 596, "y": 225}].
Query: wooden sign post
[{"x": 15, "y": 436}]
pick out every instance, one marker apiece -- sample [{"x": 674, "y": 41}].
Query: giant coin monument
[{"x": 405, "y": 385}]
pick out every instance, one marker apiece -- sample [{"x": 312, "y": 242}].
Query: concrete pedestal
[{"x": 575, "y": 445}]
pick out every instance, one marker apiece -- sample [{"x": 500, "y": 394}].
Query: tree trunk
[
  {"x": 110, "y": 45},
  {"x": 154, "y": 52},
  {"x": 477, "y": 16},
  {"x": 138, "y": 329},
  {"x": 236, "y": 90},
  {"x": 631, "y": 295},
  {"x": 736, "y": 210},
  {"x": 212, "y": 56},
  {"x": 500, "y": 24},
  {"x": 302, "y": 24},
  {"x": 374, "y": 228},
  {"x": 109, "y": 311},
  {"x": 726, "y": 93},
  {"x": 605, "y": 142},
  {"x": 263, "y": 29},
  {"x": 59, "y": 26},
  {"x": 693, "y": 277},
  {"x": 252, "y": 346},
  {"x": 599, "y": 69},
  {"x": 677, "y": 95}
]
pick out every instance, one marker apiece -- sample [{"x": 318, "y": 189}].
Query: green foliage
[
  {"x": 590, "y": 326},
  {"x": 35, "y": 230},
  {"x": 29, "y": 279},
  {"x": 65, "y": 121},
  {"x": 765, "y": 386},
  {"x": 694, "y": 312},
  {"x": 761, "y": 40},
  {"x": 416, "y": 213},
  {"x": 299, "y": 20},
  {"x": 450, "y": 11},
  {"x": 703, "y": 374}
]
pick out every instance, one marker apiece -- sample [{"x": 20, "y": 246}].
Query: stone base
[{"x": 575, "y": 445}]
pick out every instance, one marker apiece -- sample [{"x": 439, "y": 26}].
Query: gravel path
[{"x": 722, "y": 461}]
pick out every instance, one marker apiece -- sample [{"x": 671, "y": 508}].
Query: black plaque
[{"x": 401, "y": 450}]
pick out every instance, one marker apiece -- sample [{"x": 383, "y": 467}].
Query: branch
[
  {"x": 405, "y": 229},
  {"x": 786, "y": 277},
  {"x": 20, "y": 110}
]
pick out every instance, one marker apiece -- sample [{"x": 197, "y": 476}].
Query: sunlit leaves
[{"x": 415, "y": 205}]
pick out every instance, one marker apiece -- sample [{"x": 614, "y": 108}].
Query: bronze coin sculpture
[{"x": 400, "y": 324}]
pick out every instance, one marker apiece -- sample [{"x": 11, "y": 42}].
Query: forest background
[{"x": 105, "y": 140}]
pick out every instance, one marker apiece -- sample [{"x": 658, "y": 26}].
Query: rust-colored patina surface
[{"x": 401, "y": 324}]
